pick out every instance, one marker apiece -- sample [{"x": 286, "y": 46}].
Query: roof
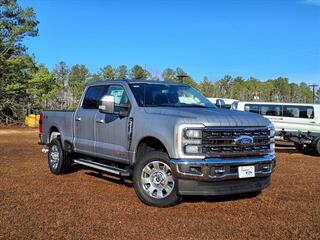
[
  {"x": 137, "y": 81},
  {"x": 281, "y": 103}
]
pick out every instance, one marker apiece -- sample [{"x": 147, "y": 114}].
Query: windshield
[{"x": 155, "y": 95}]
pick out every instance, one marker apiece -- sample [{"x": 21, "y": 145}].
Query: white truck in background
[{"x": 296, "y": 122}]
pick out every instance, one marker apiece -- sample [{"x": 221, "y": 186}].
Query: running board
[{"x": 103, "y": 167}]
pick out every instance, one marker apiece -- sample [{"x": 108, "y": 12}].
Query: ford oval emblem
[{"x": 243, "y": 140}]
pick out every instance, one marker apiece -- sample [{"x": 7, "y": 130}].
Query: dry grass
[{"x": 35, "y": 204}]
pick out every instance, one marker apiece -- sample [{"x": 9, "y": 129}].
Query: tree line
[{"x": 27, "y": 87}]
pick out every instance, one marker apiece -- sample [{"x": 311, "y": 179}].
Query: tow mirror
[
  {"x": 124, "y": 110},
  {"x": 220, "y": 103},
  {"x": 106, "y": 104}
]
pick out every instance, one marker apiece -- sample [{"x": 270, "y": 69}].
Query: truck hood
[{"x": 212, "y": 116}]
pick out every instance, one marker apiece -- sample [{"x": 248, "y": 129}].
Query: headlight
[
  {"x": 193, "y": 133},
  {"x": 272, "y": 140},
  {"x": 272, "y": 132},
  {"x": 193, "y": 149},
  {"x": 272, "y": 147},
  {"x": 192, "y": 140},
  {"x": 271, "y": 129},
  {"x": 188, "y": 141}
]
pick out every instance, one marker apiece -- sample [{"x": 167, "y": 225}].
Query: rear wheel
[
  {"x": 153, "y": 180},
  {"x": 316, "y": 146},
  {"x": 303, "y": 149},
  {"x": 58, "y": 159}
]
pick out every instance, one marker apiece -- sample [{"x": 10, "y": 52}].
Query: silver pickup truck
[{"x": 169, "y": 138}]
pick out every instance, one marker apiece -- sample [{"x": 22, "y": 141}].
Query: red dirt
[{"x": 34, "y": 204}]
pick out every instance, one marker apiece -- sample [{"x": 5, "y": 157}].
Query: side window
[
  {"x": 93, "y": 96},
  {"x": 120, "y": 96},
  {"x": 252, "y": 108},
  {"x": 271, "y": 110},
  {"x": 298, "y": 111}
]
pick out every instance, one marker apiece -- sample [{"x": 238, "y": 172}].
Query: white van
[{"x": 299, "y": 122}]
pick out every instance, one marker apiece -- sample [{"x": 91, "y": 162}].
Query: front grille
[{"x": 221, "y": 142}]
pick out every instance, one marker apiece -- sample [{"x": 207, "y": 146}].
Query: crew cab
[{"x": 169, "y": 138}]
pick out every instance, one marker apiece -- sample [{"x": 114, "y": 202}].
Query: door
[
  {"x": 84, "y": 135},
  {"x": 111, "y": 130}
]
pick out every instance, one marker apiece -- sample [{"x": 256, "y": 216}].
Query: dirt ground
[{"x": 35, "y": 204}]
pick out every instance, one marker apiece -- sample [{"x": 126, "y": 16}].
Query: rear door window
[
  {"x": 271, "y": 110},
  {"x": 298, "y": 111}
]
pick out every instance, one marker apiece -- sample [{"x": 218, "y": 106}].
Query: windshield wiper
[{"x": 160, "y": 105}]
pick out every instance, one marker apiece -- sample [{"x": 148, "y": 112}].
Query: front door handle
[
  {"x": 100, "y": 121},
  {"x": 78, "y": 119}
]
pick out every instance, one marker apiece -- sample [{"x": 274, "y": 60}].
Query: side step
[{"x": 103, "y": 167}]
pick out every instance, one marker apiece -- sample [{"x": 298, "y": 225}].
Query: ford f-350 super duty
[{"x": 169, "y": 138}]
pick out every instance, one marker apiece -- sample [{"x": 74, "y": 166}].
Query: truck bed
[{"x": 61, "y": 120}]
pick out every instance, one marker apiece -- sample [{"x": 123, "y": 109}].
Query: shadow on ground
[
  {"x": 223, "y": 198},
  {"x": 127, "y": 182}
]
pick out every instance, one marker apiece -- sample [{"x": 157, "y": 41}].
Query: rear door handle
[
  {"x": 78, "y": 119},
  {"x": 99, "y": 121}
]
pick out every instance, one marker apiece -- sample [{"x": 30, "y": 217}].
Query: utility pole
[{"x": 313, "y": 86}]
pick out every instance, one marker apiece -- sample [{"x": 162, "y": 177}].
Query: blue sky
[{"x": 264, "y": 39}]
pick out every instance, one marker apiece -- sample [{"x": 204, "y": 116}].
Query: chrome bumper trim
[{"x": 207, "y": 164}]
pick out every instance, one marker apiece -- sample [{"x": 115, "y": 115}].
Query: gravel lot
[{"x": 35, "y": 204}]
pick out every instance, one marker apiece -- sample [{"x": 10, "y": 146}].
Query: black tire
[
  {"x": 316, "y": 146},
  {"x": 163, "y": 161},
  {"x": 304, "y": 150},
  {"x": 61, "y": 164}
]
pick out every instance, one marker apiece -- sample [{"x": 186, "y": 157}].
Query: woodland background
[{"x": 28, "y": 87}]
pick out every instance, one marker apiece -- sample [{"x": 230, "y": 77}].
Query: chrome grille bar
[{"x": 220, "y": 142}]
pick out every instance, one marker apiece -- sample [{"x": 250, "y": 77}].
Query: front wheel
[{"x": 153, "y": 180}]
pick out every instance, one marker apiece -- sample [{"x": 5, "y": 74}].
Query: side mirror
[
  {"x": 124, "y": 110},
  {"x": 220, "y": 103},
  {"x": 106, "y": 104}
]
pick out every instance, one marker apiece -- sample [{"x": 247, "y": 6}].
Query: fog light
[
  {"x": 193, "y": 149},
  {"x": 190, "y": 169},
  {"x": 219, "y": 170},
  {"x": 266, "y": 167}
]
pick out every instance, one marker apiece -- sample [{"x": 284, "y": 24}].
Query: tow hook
[{"x": 45, "y": 150}]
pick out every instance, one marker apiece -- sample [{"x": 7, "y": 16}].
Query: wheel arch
[
  {"x": 147, "y": 144},
  {"x": 54, "y": 132}
]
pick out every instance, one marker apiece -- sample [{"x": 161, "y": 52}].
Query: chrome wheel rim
[
  {"x": 54, "y": 156},
  {"x": 157, "y": 180}
]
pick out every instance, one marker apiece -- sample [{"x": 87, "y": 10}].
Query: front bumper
[
  {"x": 247, "y": 185},
  {"x": 219, "y": 176},
  {"x": 220, "y": 169}
]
